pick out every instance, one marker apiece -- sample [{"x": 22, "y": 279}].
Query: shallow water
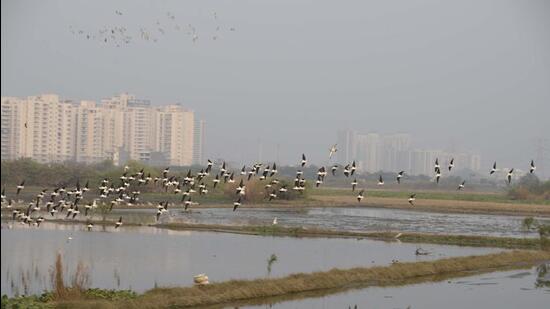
[
  {"x": 339, "y": 218},
  {"x": 141, "y": 258},
  {"x": 355, "y": 219},
  {"x": 511, "y": 289}
]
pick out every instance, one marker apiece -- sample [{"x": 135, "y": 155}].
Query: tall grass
[
  {"x": 336, "y": 280},
  {"x": 80, "y": 281}
]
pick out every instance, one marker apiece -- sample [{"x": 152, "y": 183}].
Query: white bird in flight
[
  {"x": 494, "y": 169},
  {"x": 333, "y": 150},
  {"x": 532, "y": 168},
  {"x": 380, "y": 181},
  {"x": 412, "y": 198}
]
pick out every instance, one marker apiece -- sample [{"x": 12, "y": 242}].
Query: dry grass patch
[
  {"x": 249, "y": 290},
  {"x": 436, "y": 205}
]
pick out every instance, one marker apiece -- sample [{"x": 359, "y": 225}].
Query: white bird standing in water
[{"x": 275, "y": 221}]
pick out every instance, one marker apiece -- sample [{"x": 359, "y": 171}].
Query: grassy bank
[
  {"x": 336, "y": 280},
  {"x": 458, "y": 240},
  {"x": 434, "y": 205},
  {"x": 282, "y": 231},
  {"x": 435, "y": 195}
]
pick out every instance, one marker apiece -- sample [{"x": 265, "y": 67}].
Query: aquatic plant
[
  {"x": 110, "y": 294},
  {"x": 27, "y": 302},
  {"x": 272, "y": 259},
  {"x": 323, "y": 283},
  {"x": 527, "y": 223},
  {"x": 80, "y": 280},
  {"x": 544, "y": 234},
  {"x": 542, "y": 279},
  {"x": 327, "y": 282}
]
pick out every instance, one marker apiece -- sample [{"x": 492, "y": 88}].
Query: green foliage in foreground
[
  {"x": 32, "y": 302},
  {"x": 110, "y": 294},
  {"x": 46, "y": 299}
]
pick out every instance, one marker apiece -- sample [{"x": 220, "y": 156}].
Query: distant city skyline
[
  {"x": 120, "y": 128},
  {"x": 291, "y": 83},
  {"x": 375, "y": 152},
  {"x": 366, "y": 147}
]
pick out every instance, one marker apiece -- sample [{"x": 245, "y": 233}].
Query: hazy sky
[{"x": 473, "y": 74}]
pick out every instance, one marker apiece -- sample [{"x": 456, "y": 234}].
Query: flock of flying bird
[
  {"x": 127, "y": 189},
  {"x": 120, "y": 35}
]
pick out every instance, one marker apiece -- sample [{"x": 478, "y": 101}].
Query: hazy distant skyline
[{"x": 473, "y": 75}]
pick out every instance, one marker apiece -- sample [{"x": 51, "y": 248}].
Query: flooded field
[
  {"x": 140, "y": 258},
  {"x": 511, "y": 289},
  {"x": 351, "y": 219}
]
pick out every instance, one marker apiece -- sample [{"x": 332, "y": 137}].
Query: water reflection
[
  {"x": 140, "y": 257},
  {"x": 511, "y": 289},
  {"x": 355, "y": 219},
  {"x": 342, "y": 218}
]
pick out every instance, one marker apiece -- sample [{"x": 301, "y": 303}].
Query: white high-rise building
[
  {"x": 346, "y": 145},
  {"x": 174, "y": 133},
  {"x": 138, "y": 130},
  {"x": 198, "y": 142},
  {"x": 15, "y": 135},
  {"x": 369, "y": 154},
  {"x": 374, "y": 152},
  {"x": 393, "y": 149},
  {"x": 38, "y": 127},
  {"x": 120, "y": 128}
]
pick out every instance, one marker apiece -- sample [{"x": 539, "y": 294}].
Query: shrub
[
  {"x": 530, "y": 187},
  {"x": 527, "y": 223}
]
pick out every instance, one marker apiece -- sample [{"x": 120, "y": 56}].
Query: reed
[
  {"x": 336, "y": 280},
  {"x": 80, "y": 281}
]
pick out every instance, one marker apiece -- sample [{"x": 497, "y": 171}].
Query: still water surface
[
  {"x": 503, "y": 290},
  {"x": 141, "y": 258},
  {"x": 352, "y": 219}
]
